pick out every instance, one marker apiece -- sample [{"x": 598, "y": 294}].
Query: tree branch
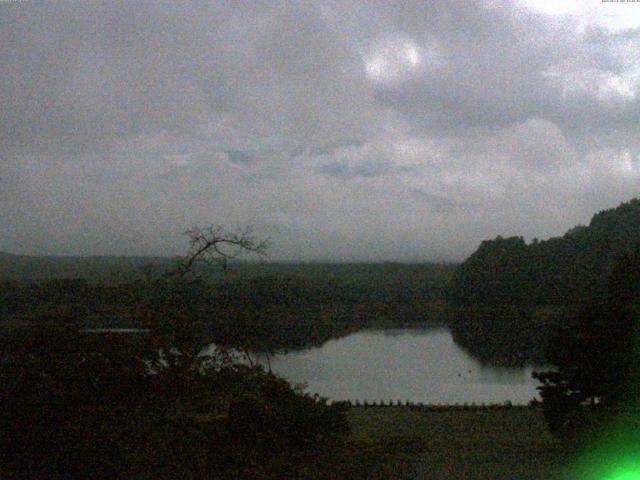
[{"x": 217, "y": 245}]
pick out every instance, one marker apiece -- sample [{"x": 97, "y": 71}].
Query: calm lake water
[{"x": 419, "y": 365}]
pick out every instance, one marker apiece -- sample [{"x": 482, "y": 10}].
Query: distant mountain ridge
[
  {"x": 30, "y": 267},
  {"x": 560, "y": 270}
]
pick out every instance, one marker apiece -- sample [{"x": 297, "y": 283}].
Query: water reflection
[{"x": 422, "y": 365}]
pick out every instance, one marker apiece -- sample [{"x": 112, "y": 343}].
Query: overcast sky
[{"x": 342, "y": 130}]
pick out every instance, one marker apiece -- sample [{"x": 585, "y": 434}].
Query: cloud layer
[{"x": 376, "y": 130}]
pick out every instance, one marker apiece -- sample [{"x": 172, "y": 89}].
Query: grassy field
[{"x": 504, "y": 444}]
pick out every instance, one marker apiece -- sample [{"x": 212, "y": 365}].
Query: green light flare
[
  {"x": 612, "y": 453},
  {"x": 631, "y": 472}
]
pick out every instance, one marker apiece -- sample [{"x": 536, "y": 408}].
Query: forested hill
[{"x": 562, "y": 270}]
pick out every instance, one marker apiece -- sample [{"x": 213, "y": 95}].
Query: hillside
[
  {"x": 508, "y": 297},
  {"x": 560, "y": 271}
]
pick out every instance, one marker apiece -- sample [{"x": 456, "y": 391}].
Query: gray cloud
[{"x": 406, "y": 130}]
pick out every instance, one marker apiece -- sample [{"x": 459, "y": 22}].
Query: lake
[{"x": 418, "y": 365}]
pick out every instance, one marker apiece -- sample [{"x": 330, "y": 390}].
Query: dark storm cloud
[{"x": 436, "y": 124}]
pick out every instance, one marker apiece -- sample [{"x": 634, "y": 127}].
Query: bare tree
[
  {"x": 178, "y": 331},
  {"x": 217, "y": 245}
]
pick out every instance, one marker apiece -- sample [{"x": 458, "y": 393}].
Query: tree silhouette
[{"x": 595, "y": 353}]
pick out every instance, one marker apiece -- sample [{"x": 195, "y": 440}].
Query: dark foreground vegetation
[{"x": 80, "y": 405}]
